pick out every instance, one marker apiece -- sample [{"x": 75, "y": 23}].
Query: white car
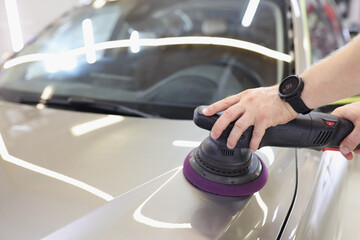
[{"x": 96, "y": 121}]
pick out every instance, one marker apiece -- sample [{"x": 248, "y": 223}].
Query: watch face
[{"x": 289, "y": 85}]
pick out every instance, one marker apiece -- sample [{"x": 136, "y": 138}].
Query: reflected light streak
[
  {"x": 293, "y": 233},
  {"x": 40, "y": 106},
  {"x": 269, "y": 153},
  {"x": 61, "y": 61},
  {"x": 32, "y": 167},
  {"x": 295, "y": 7},
  {"x": 99, "y": 3},
  {"x": 250, "y": 12},
  {"x": 183, "y": 143},
  {"x": 16, "y": 36},
  {"x": 217, "y": 41},
  {"x": 275, "y": 214},
  {"x": 90, "y": 126},
  {"x": 262, "y": 206},
  {"x": 47, "y": 93},
  {"x": 36, "y": 57},
  {"x": 134, "y": 38},
  {"x": 88, "y": 35},
  {"x": 138, "y": 216}
]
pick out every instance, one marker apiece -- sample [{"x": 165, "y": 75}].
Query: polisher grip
[
  {"x": 207, "y": 122},
  {"x": 314, "y": 130}
]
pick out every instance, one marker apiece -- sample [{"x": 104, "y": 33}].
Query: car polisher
[{"x": 217, "y": 169}]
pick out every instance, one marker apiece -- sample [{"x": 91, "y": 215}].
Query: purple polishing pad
[{"x": 224, "y": 189}]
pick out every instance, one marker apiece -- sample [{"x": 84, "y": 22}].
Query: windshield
[{"x": 163, "y": 57}]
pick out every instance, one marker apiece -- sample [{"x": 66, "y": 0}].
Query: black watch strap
[
  {"x": 298, "y": 105},
  {"x": 290, "y": 90}
]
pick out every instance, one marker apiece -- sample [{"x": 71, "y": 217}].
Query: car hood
[{"x": 68, "y": 174}]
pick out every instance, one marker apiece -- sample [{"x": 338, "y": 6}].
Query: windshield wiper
[{"x": 86, "y": 104}]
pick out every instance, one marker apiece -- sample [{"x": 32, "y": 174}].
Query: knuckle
[
  {"x": 227, "y": 100},
  {"x": 249, "y": 98},
  {"x": 240, "y": 126},
  {"x": 217, "y": 130},
  {"x": 263, "y": 115},
  {"x": 219, "y": 126},
  {"x": 228, "y": 113}
]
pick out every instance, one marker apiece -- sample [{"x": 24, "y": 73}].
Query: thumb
[{"x": 350, "y": 143}]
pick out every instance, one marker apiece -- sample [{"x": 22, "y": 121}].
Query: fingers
[
  {"x": 239, "y": 127},
  {"x": 257, "y": 135},
  {"x": 260, "y": 107},
  {"x": 346, "y": 153},
  {"x": 350, "y": 143},
  {"x": 228, "y": 116},
  {"x": 352, "y": 113},
  {"x": 220, "y": 105}
]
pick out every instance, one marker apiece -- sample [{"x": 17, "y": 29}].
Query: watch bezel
[{"x": 296, "y": 91}]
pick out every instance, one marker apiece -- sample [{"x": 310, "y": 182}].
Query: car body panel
[
  {"x": 317, "y": 209},
  {"x": 77, "y": 175},
  {"x": 111, "y": 167}
]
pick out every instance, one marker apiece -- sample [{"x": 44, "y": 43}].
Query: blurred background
[{"x": 20, "y": 20}]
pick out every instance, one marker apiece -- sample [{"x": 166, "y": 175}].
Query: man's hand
[
  {"x": 352, "y": 113},
  {"x": 260, "y": 107}
]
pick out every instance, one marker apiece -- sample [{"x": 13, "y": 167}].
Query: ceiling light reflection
[
  {"x": 194, "y": 40},
  {"x": 269, "y": 153},
  {"x": 275, "y": 214},
  {"x": 138, "y": 216},
  {"x": 262, "y": 206},
  {"x": 184, "y": 143},
  {"x": 40, "y": 106},
  {"x": 90, "y": 126},
  {"x": 296, "y": 8},
  {"x": 88, "y": 35},
  {"x": 250, "y": 12},
  {"x": 134, "y": 38},
  {"x": 47, "y": 93},
  {"x": 56, "y": 62},
  {"x": 32, "y": 167},
  {"x": 99, "y": 3},
  {"x": 16, "y": 36}
]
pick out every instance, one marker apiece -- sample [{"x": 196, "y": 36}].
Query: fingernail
[
  {"x": 205, "y": 111},
  {"x": 344, "y": 150},
  {"x": 228, "y": 145}
]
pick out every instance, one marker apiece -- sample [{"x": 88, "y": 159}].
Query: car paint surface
[
  {"x": 57, "y": 176},
  {"x": 89, "y": 176},
  {"x": 320, "y": 200}
]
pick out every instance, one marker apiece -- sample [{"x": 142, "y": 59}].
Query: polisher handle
[{"x": 314, "y": 130}]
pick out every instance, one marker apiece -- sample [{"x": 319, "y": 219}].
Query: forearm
[{"x": 334, "y": 78}]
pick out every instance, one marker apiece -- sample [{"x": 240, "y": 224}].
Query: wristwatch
[{"x": 290, "y": 90}]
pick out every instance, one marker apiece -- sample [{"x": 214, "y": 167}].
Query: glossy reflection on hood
[
  {"x": 93, "y": 125},
  {"x": 186, "y": 143},
  {"x": 138, "y": 216},
  {"x": 35, "y": 168}
]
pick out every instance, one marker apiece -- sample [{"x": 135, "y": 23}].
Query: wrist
[{"x": 307, "y": 94}]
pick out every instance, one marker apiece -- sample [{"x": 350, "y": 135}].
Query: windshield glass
[{"x": 163, "y": 57}]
